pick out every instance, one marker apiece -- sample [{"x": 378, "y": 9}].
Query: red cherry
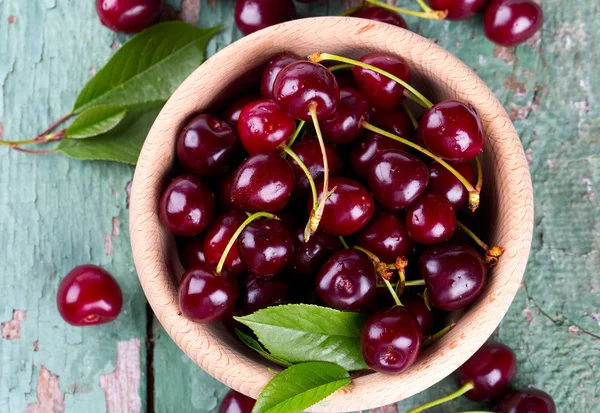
[
  {"x": 271, "y": 71},
  {"x": 192, "y": 253},
  {"x": 261, "y": 293},
  {"x": 266, "y": 247},
  {"x": 129, "y": 16},
  {"x": 310, "y": 256},
  {"x": 382, "y": 15},
  {"x": 394, "y": 120},
  {"x": 345, "y": 124},
  {"x": 431, "y": 219},
  {"x": 442, "y": 180},
  {"x": 512, "y": 22},
  {"x": 527, "y": 401},
  {"x": 367, "y": 148},
  {"x": 425, "y": 316},
  {"x": 459, "y": 9},
  {"x": 225, "y": 199},
  {"x": 345, "y": 78},
  {"x": 385, "y": 236},
  {"x": 254, "y": 15},
  {"x": 217, "y": 237},
  {"x": 235, "y": 402},
  {"x": 232, "y": 113},
  {"x": 263, "y": 127}
]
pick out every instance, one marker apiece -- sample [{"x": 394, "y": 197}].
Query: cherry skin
[
  {"x": 235, "y": 402},
  {"x": 225, "y": 200},
  {"x": 192, "y": 253},
  {"x": 453, "y": 130},
  {"x": 391, "y": 340},
  {"x": 254, "y": 15},
  {"x": 394, "y": 120},
  {"x": 425, "y": 316},
  {"x": 129, "y": 16},
  {"x": 526, "y": 401},
  {"x": 266, "y": 247},
  {"x": 345, "y": 124},
  {"x": 345, "y": 78},
  {"x": 187, "y": 206},
  {"x": 348, "y": 209},
  {"x": 397, "y": 179},
  {"x": 263, "y": 127},
  {"x": 431, "y": 219},
  {"x": 263, "y": 182},
  {"x": 347, "y": 281},
  {"x": 512, "y": 22},
  {"x": 367, "y": 148},
  {"x": 385, "y": 236},
  {"x": 382, "y": 15},
  {"x": 381, "y": 90},
  {"x": 88, "y": 295},
  {"x": 491, "y": 370},
  {"x": 455, "y": 275},
  {"x": 442, "y": 180},
  {"x": 261, "y": 293},
  {"x": 303, "y": 84},
  {"x": 232, "y": 113},
  {"x": 217, "y": 237},
  {"x": 310, "y": 256},
  {"x": 459, "y": 9},
  {"x": 272, "y": 70}
]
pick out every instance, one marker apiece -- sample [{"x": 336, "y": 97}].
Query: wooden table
[{"x": 56, "y": 213}]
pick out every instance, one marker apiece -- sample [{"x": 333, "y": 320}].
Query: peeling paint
[
  {"x": 527, "y": 312},
  {"x": 573, "y": 329},
  {"x": 116, "y": 45},
  {"x": 12, "y": 19},
  {"x": 50, "y": 398},
  {"x": 1, "y": 131},
  {"x": 506, "y": 54},
  {"x": 190, "y": 11},
  {"x": 121, "y": 387},
  {"x": 92, "y": 70},
  {"x": 391, "y": 408},
  {"x": 11, "y": 330},
  {"x": 108, "y": 238},
  {"x": 128, "y": 192},
  {"x": 518, "y": 87},
  {"x": 36, "y": 345}
]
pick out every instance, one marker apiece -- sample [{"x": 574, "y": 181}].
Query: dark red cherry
[
  {"x": 207, "y": 146},
  {"x": 187, "y": 207},
  {"x": 385, "y": 236},
  {"x": 367, "y": 148},
  {"x": 381, "y": 90},
  {"x": 345, "y": 124},
  {"x": 442, "y": 180},
  {"x": 261, "y": 293},
  {"x": 526, "y": 401},
  {"x": 204, "y": 296},
  {"x": 455, "y": 275},
  {"x": 459, "y": 9},
  {"x": 397, "y": 179},
  {"x": 345, "y": 78},
  {"x": 431, "y": 219},
  {"x": 393, "y": 120},
  {"x": 391, "y": 340},
  {"x": 453, "y": 130},
  {"x": 491, "y": 370},
  {"x": 263, "y": 127},
  {"x": 232, "y": 113},
  {"x": 425, "y": 316},
  {"x": 129, "y": 16},
  {"x": 263, "y": 182},
  {"x": 302, "y": 84},
  {"x": 254, "y": 15},
  {"x": 271, "y": 71},
  {"x": 511, "y": 22},
  {"x": 235, "y": 402},
  {"x": 217, "y": 237},
  {"x": 192, "y": 253},
  {"x": 348, "y": 209},
  {"x": 266, "y": 247},
  {"x": 382, "y": 15},
  {"x": 225, "y": 199},
  {"x": 347, "y": 281},
  {"x": 89, "y": 295},
  {"x": 310, "y": 256}
]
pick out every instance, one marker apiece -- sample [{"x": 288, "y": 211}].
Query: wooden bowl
[{"x": 440, "y": 75}]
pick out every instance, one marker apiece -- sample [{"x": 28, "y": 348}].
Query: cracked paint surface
[{"x": 11, "y": 330}]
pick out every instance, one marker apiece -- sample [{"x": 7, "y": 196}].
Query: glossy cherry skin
[
  {"x": 89, "y": 295},
  {"x": 526, "y": 401},
  {"x": 310, "y": 256},
  {"x": 303, "y": 84},
  {"x": 224, "y": 196},
  {"x": 261, "y": 293},
  {"x": 425, "y": 316},
  {"x": 254, "y": 15},
  {"x": 367, "y": 148},
  {"x": 263, "y": 182},
  {"x": 382, "y": 15},
  {"x": 381, "y": 90},
  {"x": 271, "y": 71},
  {"x": 187, "y": 207},
  {"x": 217, "y": 237},
  {"x": 431, "y": 219},
  {"x": 453, "y": 130},
  {"x": 235, "y": 402},
  {"x": 345, "y": 124},
  {"x": 397, "y": 179},
  {"x": 455, "y": 275},
  {"x": 442, "y": 180},
  {"x": 263, "y": 127},
  {"x": 491, "y": 370},
  {"x": 348, "y": 209},
  {"x": 512, "y": 22},
  {"x": 192, "y": 253},
  {"x": 459, "y": 9},
  {"x": 345, "y": 78},
  {"x": 204, "y": 296},
  {"x": 232, "y": 113},
  {"x": 266, "y": 247},
  {"x": 129, "y": 16},
  {"x": 391, "y": 340},
  {"x": 393, "y": 120},
  {"x": 347, "y": 281},
  {"x": 385, "y": 236}
]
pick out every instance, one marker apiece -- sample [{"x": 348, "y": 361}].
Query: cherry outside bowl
[{"x": 439, "y": 75}]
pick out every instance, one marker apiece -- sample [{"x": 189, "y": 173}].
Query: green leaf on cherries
[
  {"x": 149, "y": 67},
  {"x": 255, "y": 345},
  {"x": 95, "y": 121},
  {"x": 300, "y": 386},
  {"x": 302, "y": 332}
]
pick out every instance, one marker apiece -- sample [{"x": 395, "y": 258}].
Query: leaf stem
[
  {"x": 343, "y": 242},
  {"x": 431, "y": 14},
  {"x": 55, "y": 124},
  {"x": 468, "y": 386},
  {"x": 435, "y": 337},
  {"x": 304, "y": 168},
  {"x": 411, "y": 115},
  {"x": 55, "y": 136}
]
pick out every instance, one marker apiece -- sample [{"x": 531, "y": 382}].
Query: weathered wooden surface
[{"x": 56, "y": 213}]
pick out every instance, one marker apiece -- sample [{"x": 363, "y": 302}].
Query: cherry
[
  {"x": 263, "y": 127},
  {"x": 261, "y": 293},
  {"x": 129, "y": 16},
  {"x": 431, "y": 219},
  {"x": 271, "y": 71},
  {"x": 235, "y": 402},
  {"x": 207, "y": 146},
  {"x": 310, "y": 255},
  {"x": 254, "y": 15},
  {"x": 348, "y": 209},
  {"x": 345, "y": 78},
  {"x": 217, "y": 237},
  {"x": 391, "y": 340},
  {"x": 382, "y": 15},
  {"x": 345, "y": 124},
  {"x": 192, "y": 253},
  {"x": 526, "y": 401},
  {"x": 453, "y": 130},
  {"x": 367, "y": 148},
  {"x": 455, "y": 275},
  {"x": 88, "y": 295},
  {"x": 381, "y": 90},
  {"x": 266, "y": 247},
  {"x": 187, "y": 206},
  {"x": 425, "y": 316},
  {"x": 459, "y": 9},
  {"x": 225, "y": 199},
  {"x": 347, "y": 280},
  {"x": 443, "y": 181},
  {"x": 204, "y": 296},
  {"x": 394, "y": 120},
  {"x": 397, "y": 179},
  {"x": 263, "y": 182},
  {"x": 511, "y": 22},
  {"x": 232, "y": 113},
  {"x": 385, "y": 236}
]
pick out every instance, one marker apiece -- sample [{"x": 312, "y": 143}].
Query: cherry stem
[
  {"x": 491, "y": 254},
  {"x": 296, "y": 133},
  {"x": 237, "y": 233},
  {"x": 431, "y": 14},
  {"x": 343, "y": 242},
  {"x": 342, "y": 66},
  {"x": 467, "y": 386},
  {"x": 426, "y": 299},
  {"x": 304, "y": 168},
  {"x": 420, "y": 99},
  {"x": 382, "y": 270},
  {"x": 353, "y": 10},
  {"x": 413, "y": 283},
  {"x": 424, "y": 6},
  {"x": 51, "y": 137},
  {"x": 437, "y": 336},
  {"x": 411, "y": 116},
  {"x": 479, "y": 175}
]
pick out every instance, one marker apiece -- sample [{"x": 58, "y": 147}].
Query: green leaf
[
  {"x": 255, "y": 345},
  {"x": 121, "y": 144},
  {"x": 300, "y": 386},
  {"x": 96, "y": 120},
  {"x": 149, "y": 67},
  {"x": 301, "y": 332}
]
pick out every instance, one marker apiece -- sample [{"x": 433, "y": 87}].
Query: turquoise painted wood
[{"x": 56, "y": 213}]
